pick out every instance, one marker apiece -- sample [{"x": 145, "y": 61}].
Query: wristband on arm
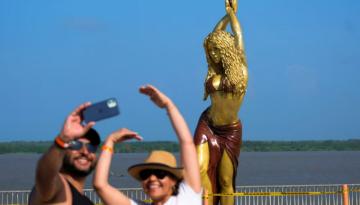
[
  {"x": 107, "y": 148},
  {"x": 60, "y": 143}
]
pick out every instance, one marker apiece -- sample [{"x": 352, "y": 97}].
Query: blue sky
[{"x": 303, "y": 65}]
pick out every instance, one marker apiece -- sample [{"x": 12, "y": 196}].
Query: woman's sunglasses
[
  {"x": 160, "y": 174},
  {"x": 77, "y": 145}
]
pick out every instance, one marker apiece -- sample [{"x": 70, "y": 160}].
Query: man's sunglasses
[
  {"x": 77, "y": 145},
  {"x": 160, "y": 174}
]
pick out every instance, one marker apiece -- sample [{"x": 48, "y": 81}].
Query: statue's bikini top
[{"x": 210, "y": 88}]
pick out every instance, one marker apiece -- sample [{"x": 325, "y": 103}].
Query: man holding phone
[{"x": 61, "y": 172}]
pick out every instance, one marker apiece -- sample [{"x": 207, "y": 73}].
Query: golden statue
[{"x": 218, "y": 136}]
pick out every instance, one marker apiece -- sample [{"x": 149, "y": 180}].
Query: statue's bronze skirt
[{"x": 219, "y": 138}]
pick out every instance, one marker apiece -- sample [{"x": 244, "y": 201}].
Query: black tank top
[{"x": 78, "y": 198}]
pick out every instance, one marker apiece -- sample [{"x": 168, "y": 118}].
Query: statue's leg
[
  {"x": 226, "y": 174},
  {"x": 204, "y": 158}
]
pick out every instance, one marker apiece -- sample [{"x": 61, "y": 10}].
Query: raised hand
[
  {"x": 73, "y": 127},
  {"x": 123, "y": 135},
  {"x": 159, "y": 98},
  {"x": 231, "y": 4}
]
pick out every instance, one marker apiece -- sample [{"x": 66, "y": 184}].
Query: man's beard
[{"x": 70, "y": 168}]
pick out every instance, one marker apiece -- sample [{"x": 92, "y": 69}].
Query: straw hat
[{"x": 157, "y": 159}]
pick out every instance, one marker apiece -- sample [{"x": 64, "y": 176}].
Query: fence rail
[{"x": 245, "y": 195}]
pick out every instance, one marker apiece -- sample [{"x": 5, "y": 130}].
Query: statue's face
[{"x": 214, "y": 52}]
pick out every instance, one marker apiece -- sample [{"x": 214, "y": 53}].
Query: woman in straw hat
[{"x": 162, "y": 179}]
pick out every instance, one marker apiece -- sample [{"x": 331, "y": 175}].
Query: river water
[{"x": 256, "y": 168}]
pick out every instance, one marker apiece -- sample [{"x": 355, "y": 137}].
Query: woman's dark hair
[{"x": 175, "y": 188}]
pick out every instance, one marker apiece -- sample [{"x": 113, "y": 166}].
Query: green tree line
[{"x": 248, "y": 146}]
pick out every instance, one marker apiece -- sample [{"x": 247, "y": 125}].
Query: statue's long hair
[{"x": 233, "y": 62}]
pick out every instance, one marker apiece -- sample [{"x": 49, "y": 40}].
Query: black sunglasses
[
  {"x": 77, "y": 145},
  {"x": 160, "y": 174}
]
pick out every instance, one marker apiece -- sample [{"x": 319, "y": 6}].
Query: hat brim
[{"x": 135, "y": 170}]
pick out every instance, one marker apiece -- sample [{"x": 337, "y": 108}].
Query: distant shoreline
[
  {"x": 248, "y": 146},
  {"x": 255, "y": 168}
]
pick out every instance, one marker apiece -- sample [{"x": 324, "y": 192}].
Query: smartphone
[{"x": 101, "y": 110}]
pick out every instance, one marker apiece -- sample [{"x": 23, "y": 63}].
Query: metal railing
[
  {"x": 297, "y": 195},
  {"x": 245, "y": 195}
]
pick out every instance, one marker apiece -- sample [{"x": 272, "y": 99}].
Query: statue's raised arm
[{"x": 230, "y": 16}]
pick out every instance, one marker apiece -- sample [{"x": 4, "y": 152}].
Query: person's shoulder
[
  {"x": 62, "y": 195},
  {"x": 188, "y": 196},
  {"x": 185, "y": 188}
]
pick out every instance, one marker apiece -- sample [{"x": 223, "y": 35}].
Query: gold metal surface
[
  {"x": 226, "y": 174},
  {"x": 226, "y": 84},
  {"x": 227, "y": 68},
  {"x": 204, "y": 157}
]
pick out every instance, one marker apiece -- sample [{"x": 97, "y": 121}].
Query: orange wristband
[
  {"x": 107, "y": 148},
  {"x": 60, "y": 142}
]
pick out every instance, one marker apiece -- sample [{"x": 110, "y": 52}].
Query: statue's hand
[{"x": 231, "y": 4}]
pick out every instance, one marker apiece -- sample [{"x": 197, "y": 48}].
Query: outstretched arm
[
  {"x": 48, "y": 181},
  {"x": 109, "y": 194},
  {"x": 234, "y": 23},
  {"x": 221, "y": 25},
  {"x": 187, "y": 147}
]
